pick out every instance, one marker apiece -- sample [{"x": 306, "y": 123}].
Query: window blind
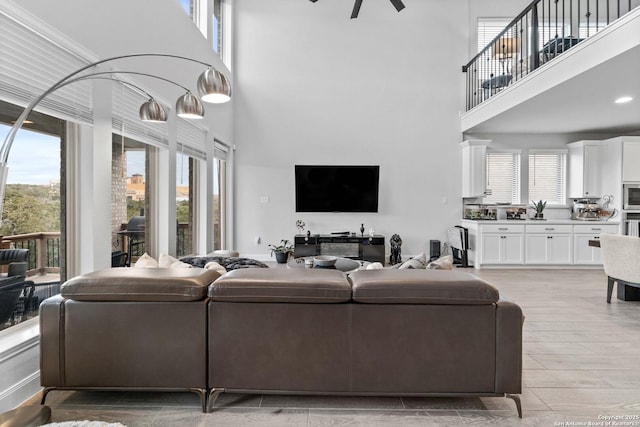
[
  {"x": 547, "y": 176},
  {"x": 125, "y": 120},
  {"x": 34, "y": 57},
  {"x": 192, "y": 140},
  {"x": 220, "y": 150},
  {"x": 503, "y": 176}
]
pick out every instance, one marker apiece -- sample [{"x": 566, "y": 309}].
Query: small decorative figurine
[
  {"x": 362, "y": 229},
  {"x": 371, "y": 232},
  {"x": 300, "y": 224},
  {"x": 396, "y": 249}
]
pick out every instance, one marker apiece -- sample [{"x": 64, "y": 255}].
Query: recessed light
[{"x": 623, "y": 99}]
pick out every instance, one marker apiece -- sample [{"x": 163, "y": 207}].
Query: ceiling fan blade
[
  {"x": 356, "y": 9},
  {"x": 397, "y": 4}
]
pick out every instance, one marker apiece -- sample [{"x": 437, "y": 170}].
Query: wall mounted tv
[{"x": 323, "y": 188}]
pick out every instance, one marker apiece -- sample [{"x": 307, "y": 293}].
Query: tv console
[{"x": 366, "y": 248}]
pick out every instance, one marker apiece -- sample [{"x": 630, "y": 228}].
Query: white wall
[{"x": 314, "y": 87}]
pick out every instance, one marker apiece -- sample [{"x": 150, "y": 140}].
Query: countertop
[{"x": 539, "y": 221}]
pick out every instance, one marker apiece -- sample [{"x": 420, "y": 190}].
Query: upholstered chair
[{"x": 621, "y": 259}]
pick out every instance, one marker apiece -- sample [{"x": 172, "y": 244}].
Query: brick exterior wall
[{"x": 118, "y": 194}]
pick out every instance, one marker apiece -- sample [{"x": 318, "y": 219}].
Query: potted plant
[
  {"x": 282, "y": 251},
  {"x": 539, "y": 207}
]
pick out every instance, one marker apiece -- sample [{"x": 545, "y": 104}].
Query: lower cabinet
[
  {"x": 583, "y": 253},
  {"x": 502, "y": 244},
  {"x": 548, "y": 244},
  {"x": 537, "y": 244}
]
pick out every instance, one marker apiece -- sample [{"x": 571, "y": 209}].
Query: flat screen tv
[{"x": 336, "y": 188}]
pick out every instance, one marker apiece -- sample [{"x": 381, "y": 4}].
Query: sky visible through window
[
  {"x": 186, "y": 5},
  {"x": 34, "y": 157}
]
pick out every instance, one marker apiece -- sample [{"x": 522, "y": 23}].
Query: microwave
[{"x": 631, "y": 196}]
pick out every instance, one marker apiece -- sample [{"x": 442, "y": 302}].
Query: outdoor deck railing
[
  {"x": 44, "y": 250},
  {"x": 545, "y": 29}
]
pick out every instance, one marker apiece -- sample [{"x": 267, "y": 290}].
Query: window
[
  {"x": 503, "y": 176},
  {"x": 220, "y": 199},
  {"x": 548, "y": 175},
  {"x": 488, "y": 29},
  {"x": 184, "y": 204},
  {"x": 33, "y": 211}
]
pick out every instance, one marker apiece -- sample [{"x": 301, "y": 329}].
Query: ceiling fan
[{"x": 356, "y": 6}]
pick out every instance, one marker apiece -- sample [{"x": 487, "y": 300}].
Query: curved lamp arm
[{"x": 8, "y": 141}]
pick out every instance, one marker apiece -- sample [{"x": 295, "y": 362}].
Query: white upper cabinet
[
  {"x": 584, "y": 169},
  {"x": 631, "y": 160},
  {"x": 474, "y": 153}
]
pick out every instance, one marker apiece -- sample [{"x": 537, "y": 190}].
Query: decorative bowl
[{"x": 324, "y": 260}]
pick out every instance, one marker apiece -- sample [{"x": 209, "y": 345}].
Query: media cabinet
[{"x": 366, "y": 248}]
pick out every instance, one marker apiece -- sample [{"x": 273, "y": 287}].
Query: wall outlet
[{"x": 264, "y": 199}]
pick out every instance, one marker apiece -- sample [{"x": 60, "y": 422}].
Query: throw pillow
[
  {"x": 146, "y": 261},
  {"x": 215, "y": 266},
  {"x": 442, "y": 263},
  {"x": 418, "y": 262},
  {"x": 167, "y": 261},
  {"x": 374, "y": 266}
]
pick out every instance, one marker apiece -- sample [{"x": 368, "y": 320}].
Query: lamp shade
[
  {"x": 189, "y": 106},
  {"x": 505, "y": 47},
  {"x": 214, "y": 87},
  {"x": 151, "y": 111}
]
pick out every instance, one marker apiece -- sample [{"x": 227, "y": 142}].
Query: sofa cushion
[
  {"x": 421, "y": 287},
  {"x": 140, "y": 284},
  {"x": 282, "y": 285}
]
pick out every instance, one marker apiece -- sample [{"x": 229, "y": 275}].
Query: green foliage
[
  {"x": 30, "y": 208},
  {"x": 284, "y": 246},
  {"x": 182, "y": 211},
  {"x": 134, "y": 207},
  {"x": 538, "y": 206}
]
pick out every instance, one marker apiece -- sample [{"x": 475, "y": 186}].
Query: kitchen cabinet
[
  {"x": 631, "y": 160},
  {"x": 502, "y": 244},
  {"x": 474, "y": 153},
  {"x": 583, "y": 254},
  {"x": 584, "y": 169},
  {"x": 548, "y": 244}
]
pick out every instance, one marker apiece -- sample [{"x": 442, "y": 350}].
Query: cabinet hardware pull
[
  {"x": 502, "y": 228},
  {"x": 549, "y": 229},
  {"x": 596, "y": 229}
]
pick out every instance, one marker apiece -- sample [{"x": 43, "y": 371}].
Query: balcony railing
[
  {"x": 44, "y": 251},
  {"x": 544, "y": 30}
]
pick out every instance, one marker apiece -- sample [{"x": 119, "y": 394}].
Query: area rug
[{"x": 84, "y": 423}]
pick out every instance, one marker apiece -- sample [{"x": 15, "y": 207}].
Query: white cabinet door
[
  {"x": 584, "y": 169},
  {"x": 502, "y": 248},
  {"x": 630, "y": 161},
  {"x": 491, "y": 244},
  {"x": 474, "y": 154},
  {"x": 536, "y": 249},
  {"x": 559, "y": 249},
  {"x": 548, "y": 248},
  {"x": 583, "y": 253},
  {"x": 591, "y": 183},
  {"x": 513, "y": 248}
]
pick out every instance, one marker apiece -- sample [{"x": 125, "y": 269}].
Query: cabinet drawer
[
  {"x": 502, "y": 228},
  {"x": 549, "y": 228},
  {"x": 595, "y": 228}
]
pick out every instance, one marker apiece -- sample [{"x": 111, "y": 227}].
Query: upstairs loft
[{"x": 562, "y": 78}]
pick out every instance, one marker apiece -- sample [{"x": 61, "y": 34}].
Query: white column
[{"x": 91, "y": 245}]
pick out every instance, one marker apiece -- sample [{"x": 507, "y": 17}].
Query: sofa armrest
[
  {"x": 509, "y": 321},
  {"x": 51, "y": 336}
]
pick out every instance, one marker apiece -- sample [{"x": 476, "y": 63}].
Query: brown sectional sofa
[{"x": 286, "y": 331}]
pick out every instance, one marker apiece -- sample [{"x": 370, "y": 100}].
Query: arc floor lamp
[{"x": 212, "y": 86}]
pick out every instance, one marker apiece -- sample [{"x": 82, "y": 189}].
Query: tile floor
[{"x": 581, "y": 365}]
